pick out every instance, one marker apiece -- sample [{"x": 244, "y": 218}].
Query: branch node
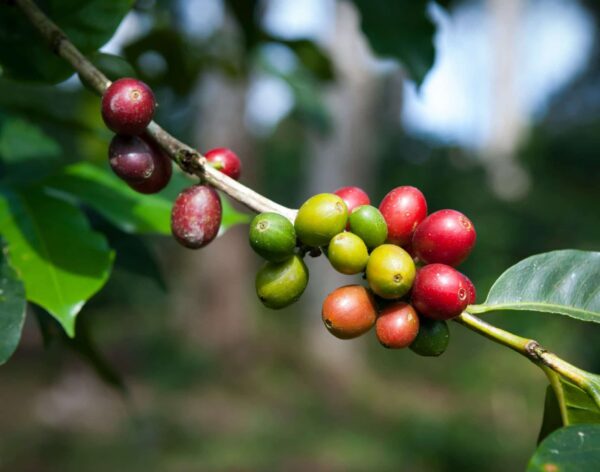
[{"x": 56, "y": 39}]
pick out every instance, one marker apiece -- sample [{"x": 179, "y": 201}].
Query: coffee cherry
[
  {"x": 128, "y": 106},
  {"x": 397, "y": 325},
  {"x": 320, "y": 218},
  {"x": 368, "y": 223},
  {"x": 403, "y": 209},
  {"x": 439, "y": 292},
  {"x": 196, "y": 216},
  {"x": 161, "y": 175},
  {"x": 432, "y": 339},
  {"x": 130, "y": 158},
  {"x": 272, "y": 236},
  {"x": 471, "y": 289},
  {"x": 226, "y": 161},
  {"x": 390, "y": 271},
  {"x": 446, "y": 236},
  {"x": 353, "y": 197},
  {"x": 279, "y": 284},
  {"x": 347, "y": 253},
  {"x": 349, "y": 311}
]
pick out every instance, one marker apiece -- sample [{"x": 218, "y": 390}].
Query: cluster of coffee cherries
[
  {"x": 127, "y": 109},
  {"x": 406, "y": 257}
]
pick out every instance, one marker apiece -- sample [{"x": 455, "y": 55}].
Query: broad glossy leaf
[
  {"x": 12, "y": 308},
  {"x": 402, "y": 30},
  {"x": 569, "y": 449},
  {"x": 565, "y": 282},
  {"x": 60, "y": 259},
  {"x": 88, "y": 24}
]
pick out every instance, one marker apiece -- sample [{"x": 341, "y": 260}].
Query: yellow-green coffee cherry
[
  {"x": 279, "y": 284},
  {"x": 347, "y": 253},
  {"x": 390, "y": 271},
  {"x": 272, "y": 236},
  {"x": 368, "y": 223},
  {"x": 320, "y": 218}
]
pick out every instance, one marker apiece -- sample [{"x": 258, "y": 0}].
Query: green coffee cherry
[
  {"x": 347, "y": 253},
  {"x": 368, "y": 223},
  {"x": 390, "y": 271},
  {"x": 279, "y": 284},
  {"x": 272, "y": 236},
  {"x": 432, "y": 339},
  {"x": 320, "y": 218}
]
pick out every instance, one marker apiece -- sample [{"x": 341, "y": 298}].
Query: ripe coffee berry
[
  {"x": 439, "y": 292},
  {"x": 130, "y": 157},
  {"x": 272, "y": 236},
  {"x": 349, "y": 311},
  {"x": 196, "y": 216},
  {"x": 446, "y": 236},
  {"x": 226, "y": 161},
  {"x": 471, "y": 290},
  {"x": 432, "y": 339},
  {"x": 279, "y": 284},
  {"x": 403, "y": 209},
  {"x": 397, "y": 325},
  {"x": 128, "y": 106},
  {"x": 347, "y": 253},
  {"x": 353, "y": 197},
  {"x": 390, "y": 271},
  {"x": 320, "y": 218},
  {"x": 161, "y": 175}
]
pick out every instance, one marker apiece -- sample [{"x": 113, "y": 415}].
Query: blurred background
[{"x": 178, "y": 367}]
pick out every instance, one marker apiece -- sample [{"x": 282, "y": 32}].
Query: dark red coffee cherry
[
  {"x": 349, "y": 311},
  {"x": 130, "y": 158},
  {"x": 439, "y": 292},
  {"x": 196, "y": 216},
  {"x": 397, "y": 325},
  {"x": 471, "y": 289},
  {"x": 226, "y": 161},
  {"x": 161, "y": 176},
  {"x": 446, "y": 236},
  {"x": 128, "y": 106},
  {"x": 403, "y": 209},
  {"x": 353, "y": 197}
]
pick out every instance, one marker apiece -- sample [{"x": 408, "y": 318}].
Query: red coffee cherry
[
  {"x": 130, "y": 158},
  {"x": 403, "y": 209},
  {"x": 349, "y": 311},
  {"x": 161, "y": 175},
  {"x": 128, "y": 106},
  {"x": 353, "y": 197},
  {"x": 439, "y": 292},
  {"x": 397, "y": 325},
  {"x": 226, "y": 161},
  {"x": 196, "y": 216},
  {"x": 471, "y": 289},
  {"x": 446, "y": 236}
]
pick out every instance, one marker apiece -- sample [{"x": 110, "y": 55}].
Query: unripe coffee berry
[
  {"x": 320, "y": 218},
  {"x": 226, "y": 161},
  {"x": 279, "y": 284},
  {"x": 403, "y": 209},
  {"x": 161, "y": 175},
  {"x": 128, "y": 106},
  {"x": 347, "y": 253},
  {"x": 432, "y": 339},
  {"x": 272, "y": 236},
  {"x": 349, "y": 311},
  {"x": 439, "y": 292},
  {"x": 196, "y": 216},
  {"x": 130, "y": 157},
  {"x": 368, "y": 223},
  {"x": 397, "y": 325},
  {"x": 446, "y": 236},
  {"x": 353, "y": 197},
  {"x": 390, "y": 271}
]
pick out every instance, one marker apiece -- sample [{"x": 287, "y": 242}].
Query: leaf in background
[
  {"x": 231, "y": 216},
  {"x": 400, "y": 29},
  {"x": 130, "y": 211},
  {"x": 88, "y": 23},
  {"x": 565, "y": 282},
  {"x": 60, "y": 259},
  {"x": 12, "y": 308},
  {"x": 311, "y": 56},
  {"x": 570, "y": 449}
]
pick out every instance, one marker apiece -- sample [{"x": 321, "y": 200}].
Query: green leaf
[
  {"x": 570, "y": 449},
  {"x": 127, "y": 209},
  {"x": 60, "y": 259},
  {"x": 12, "y": 308},
  {"x": 231, "y": 216},
  {"x": 88, "y": 23},
  {"x": 565, "y": 282},
  {"x": 401, "y": 30}
]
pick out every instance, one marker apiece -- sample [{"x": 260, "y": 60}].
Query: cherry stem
[{"x": 193, "y": 162}]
